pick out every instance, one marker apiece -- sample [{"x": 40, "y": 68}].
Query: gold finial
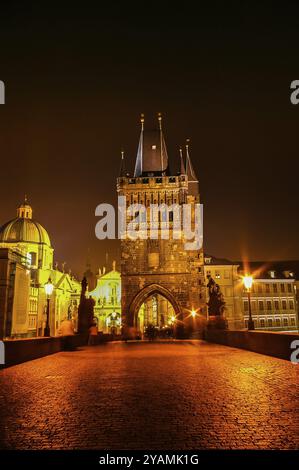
[
  {"x": 187, "y": 143},
  {"x": 25, "y": 199},
  {"x": 122, "y": 154},
  {"x": 181, "y": 151},
  {"x": 160, "y": 120},
  {"x": 142, "y": 120}
]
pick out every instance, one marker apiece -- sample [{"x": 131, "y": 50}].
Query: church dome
[{"x": 23, "y": 228}]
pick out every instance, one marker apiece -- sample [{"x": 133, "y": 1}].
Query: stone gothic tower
[{"x": 160, "y": 267}]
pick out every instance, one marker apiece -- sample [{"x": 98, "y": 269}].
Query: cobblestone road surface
[{"x": 182, "y": 395}]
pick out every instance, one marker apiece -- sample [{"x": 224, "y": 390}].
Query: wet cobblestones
[{"x": 182, "y": 395}]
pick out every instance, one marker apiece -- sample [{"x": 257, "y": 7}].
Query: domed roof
[{"x": 23, "y": 228}]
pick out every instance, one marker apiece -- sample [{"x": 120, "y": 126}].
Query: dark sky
[{"x": 78, "y": 77}]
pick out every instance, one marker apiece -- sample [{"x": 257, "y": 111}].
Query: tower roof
[{"x": 152, "y": 155}]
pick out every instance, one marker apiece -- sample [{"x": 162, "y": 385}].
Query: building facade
[
  {"x": 26, "y": 260},
  {"x": 226, "y": 275},
  {"x": 154, "y": 267},
  {"x": 107, "y": 297},
  {"x": 274, "y": 302}
]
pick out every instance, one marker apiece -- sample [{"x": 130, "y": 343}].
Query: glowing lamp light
[
  {"x": 193, "y": 313},
  {"x": 248, "y": 281},
  {"x": 49, "y": 287},
  {"x": 172, "y": 319}
]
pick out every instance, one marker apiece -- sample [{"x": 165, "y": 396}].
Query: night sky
[{"x": 77, "y": 79}]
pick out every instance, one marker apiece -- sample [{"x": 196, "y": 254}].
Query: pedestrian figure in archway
[{"x": 151, "y": 332}]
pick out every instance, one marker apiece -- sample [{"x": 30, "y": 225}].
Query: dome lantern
[{"x": 24, "y": 211}]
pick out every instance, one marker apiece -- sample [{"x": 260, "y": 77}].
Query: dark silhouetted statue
[
  {"x": 216, "y": 305},
  {"x": 86, "y": 310}
]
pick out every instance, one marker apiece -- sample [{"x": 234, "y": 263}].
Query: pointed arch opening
[{"x": 156, "y": 306}]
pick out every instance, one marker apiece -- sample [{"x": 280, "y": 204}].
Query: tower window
[{"x": 154, "y": 147}]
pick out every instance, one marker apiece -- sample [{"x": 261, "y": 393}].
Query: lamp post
[
  {"x": 48, "y": 290},
  {"x": 248, "y": 281}
]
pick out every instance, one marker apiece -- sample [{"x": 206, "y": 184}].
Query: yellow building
[
  {"x": 225, "y": 274},
  {"x": 107, "y": 297},
  {"x": 274, "y": 303},
  {"x": 27, "y": 264}
]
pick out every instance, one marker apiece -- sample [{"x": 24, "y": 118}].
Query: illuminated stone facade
[
  {"x": 107, "y": 297},
  {"x": 158, "y": 266},
  {"x": 26, "y": 264},
  {"x": 274, "y": 302}
]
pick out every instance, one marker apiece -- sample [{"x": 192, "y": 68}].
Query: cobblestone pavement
[{"x": 180, "y": 395}]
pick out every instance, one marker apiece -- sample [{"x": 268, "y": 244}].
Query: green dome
[{"x": 24, "y": 230}]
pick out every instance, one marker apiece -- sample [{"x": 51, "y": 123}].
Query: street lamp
[
  {"x": 248, "y": 281},
  {"x": 48, "y": 290},
  {"x": 193, "y": 313}
]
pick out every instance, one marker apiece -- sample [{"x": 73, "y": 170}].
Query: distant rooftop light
[{"x": 154, "y": 147}]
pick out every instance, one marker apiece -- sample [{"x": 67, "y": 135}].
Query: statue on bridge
[
  {"x": 216, "y": 305},
  {"x": 86, "y": 310}
]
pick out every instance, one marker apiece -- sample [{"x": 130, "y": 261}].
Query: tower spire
[
  {"x": 182, "y": 164},
  {"x": 192, "y": 178},
  {"x": 161, "y": 139},
  {"x": 160, "y": 121},
  {"x": 152, "y": 158},
  {"x": 139, "y": 159},
  {"x": 122, "y": 170}
]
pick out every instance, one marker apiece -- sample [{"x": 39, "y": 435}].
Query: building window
[
  {"x": 289, "y": 287},
  {"x": 261, "y": 305},
  {"x": 260, "y": 289},
  {"x": 274, "y": 287},
  {"x": 282, "y": 288},
  {"x": 246, "y": 305},
  {"x": 291, "y": 305},
  {"x": 285, "y": 322},
  {"x": 217, "y": 274},
  {"x": 277, "y": 322},
  {"x": 276, "y": 305},
  {"x": 292, "y": 320},
  {"x": 270, "y": 323},
  {"x": 262, "y": 323},
  {"x": 226, "y": 274},
  {"x": 267, "y": 288},
  {"x": 284, "y": 304},
  {"x": 269, "y": 305}
]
